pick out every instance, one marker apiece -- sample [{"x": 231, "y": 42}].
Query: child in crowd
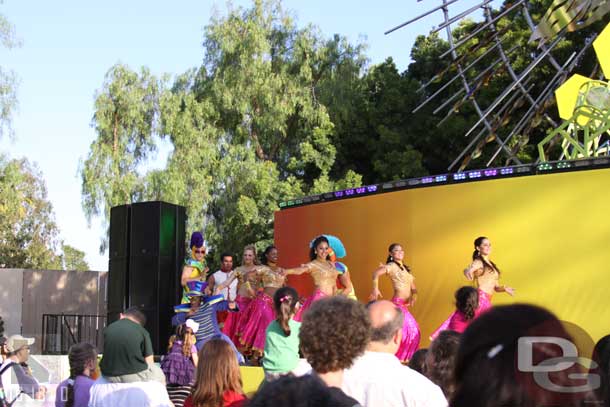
[
  {"x": 282, "y": 336},
  {"x": 74, "y": 391},
  {"x": 466, "y": 304},
  {"x": 218, "y": 380},
  {"x": 180, "y": 363}
]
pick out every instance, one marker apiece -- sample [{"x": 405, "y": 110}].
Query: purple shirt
[{"x": 82, "y": 384}]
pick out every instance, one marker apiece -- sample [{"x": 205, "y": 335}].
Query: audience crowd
[{"x": 350, "y": 351}]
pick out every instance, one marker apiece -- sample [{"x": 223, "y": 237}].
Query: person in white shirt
[
  {"x": 220, "y": 276},
  {"x": 140, "y": 394},
  {"x": 377, "y": 378}
]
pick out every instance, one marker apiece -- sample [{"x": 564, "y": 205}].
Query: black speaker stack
[{"x": 146, "y": 256}]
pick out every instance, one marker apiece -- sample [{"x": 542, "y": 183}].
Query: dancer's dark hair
[
  {"x": 390, "y": 258},
  {"x": 264, "y": 254},
  {"x": 477, "y": 256},
  {"x": 315, "y": 244}
]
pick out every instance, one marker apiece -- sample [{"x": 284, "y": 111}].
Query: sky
[{"x": 69, "y": 45}]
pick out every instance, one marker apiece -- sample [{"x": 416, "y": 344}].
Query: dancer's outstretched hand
[
  {"x": 509, "y": 290},
  {"x": 375, "y": 295}
]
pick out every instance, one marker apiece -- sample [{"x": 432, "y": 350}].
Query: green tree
[
  {"x": 125, "y": 119},
  {"x": 73, "y": 259},
  {"x": 28, "y": 233},
  {"x": 8, "y": 79},
  {"x": 247, "y": 128}
]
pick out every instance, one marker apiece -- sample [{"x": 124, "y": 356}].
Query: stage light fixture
[
  {"x": 524, "y": 169},
  {"x": 328, "y": 195},
  {"x": 427, "y": 180},
  {"x": 349, "y": 192},
  {"x": 544, "y": 167},
  {"x": 506, "y": 171},
  {"x": 490, "y": 173},
  {"x": 459, "y": 176},
  {"x": 474, "y": 174},
  {"x": 360, "y": 190},
  {"x": 562, "y": 165},
  {"x": 413, "y": 182},
  {"x": 338, "y": 194},
  {"x": 387, "y": 185},
  {"x": 440, "y": 178},
  {"x": 371, "y": 188}
]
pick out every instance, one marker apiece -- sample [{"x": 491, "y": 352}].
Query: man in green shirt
[{"x": 128, "y": 353}]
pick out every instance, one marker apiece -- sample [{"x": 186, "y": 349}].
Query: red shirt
[{"x": 229, "y": 399}]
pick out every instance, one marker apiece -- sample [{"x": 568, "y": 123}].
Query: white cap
[
  {"x": 17, "y": 341},
  {"x": 192, "y": 324}
]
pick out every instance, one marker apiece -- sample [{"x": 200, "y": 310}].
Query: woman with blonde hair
[
  {"x": 246, "y": 292},
  {"x": 217, "y": 380}
]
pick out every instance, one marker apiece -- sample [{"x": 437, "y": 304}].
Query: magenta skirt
[
  {"x": 453, "y": 321},
  {"x": 410, "y": 332},
  {"x": 261, "y": 314},
  {"x": 317, "y": 294},
  {"x": 233, "y": 321}
]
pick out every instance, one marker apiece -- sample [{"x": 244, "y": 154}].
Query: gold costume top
[
  {"x": 243, "y": 277},
  {"x": 485, "y": 276},
  {"x": 270, "y": 277},
  {"x": 323, "y": 273},
  {"x": 401, "y": 278}
]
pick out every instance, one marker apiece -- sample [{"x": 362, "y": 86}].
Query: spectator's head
[
  {"x": 467, "y": 301},
  {"x": 319, "y": 248},
  {"x": 3, "y": 346},
  {"x": 269, "y": 255},
  {"x": 249, "y": 256},
  {"x": 134, "y": 314},
  {"x": 601, "y": 356},
  {"x": 83, "y": 360},
  {"x": 440, "y": 361},
  {"x": 418, "y": 360},
  {"x": 304, "y": 391},
  {"x": 386, "y": 322},
  {"x": 486, "y": 370},
  {"x": 333, "y": 333},
  {"x": 285, "y": 301},
  {"x": 184, "y": 333},
  {"x": 18, "y": 348},
  {"x": 226, "y": 262},
  {"x": 217, "y": 372}
]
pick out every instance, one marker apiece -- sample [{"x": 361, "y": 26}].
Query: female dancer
[
  {"x": 485, "y": 273},
  {"x": 405, "y": 293},
  {"x": 486, "y": 276},
  {"x": 246, "y": 291},
  {"x": 261, "y": 314},
  {"x": 194, "y": 266},
  {"x": 322, "y": 271}
]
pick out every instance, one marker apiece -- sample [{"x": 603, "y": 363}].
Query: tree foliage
[
  {"x": 73, "y": 259},
  {"x": 8, "y": 79},
  {"x": 28, "y": 233}
]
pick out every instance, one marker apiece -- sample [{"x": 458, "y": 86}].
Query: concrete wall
[
  {"x": 28, "y": 294},
  {"x": 11, "y": 285}
]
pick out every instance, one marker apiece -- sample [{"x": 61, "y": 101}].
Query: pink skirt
[
  {"x": 317, "y": 294},
  {"x": 253, "y": 334},
  {"x": 410, "y": 332},
  {"x": 233, "y": 321},
  {"x": 484, "y": 305}
]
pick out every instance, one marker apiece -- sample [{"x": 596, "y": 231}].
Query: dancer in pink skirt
[
  {"x": 322, "y": 271},
  {"x": 246, "y": 291},
  {"x": 404, "y": 296},
  {"x": 271, "y": 278},
  {"x": 486, "y": 276}
]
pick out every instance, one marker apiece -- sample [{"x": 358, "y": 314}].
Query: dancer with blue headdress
[{"x": 321, "y": 269}]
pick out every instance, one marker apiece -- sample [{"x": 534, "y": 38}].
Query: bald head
[{"x": 386, "y": 320}]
